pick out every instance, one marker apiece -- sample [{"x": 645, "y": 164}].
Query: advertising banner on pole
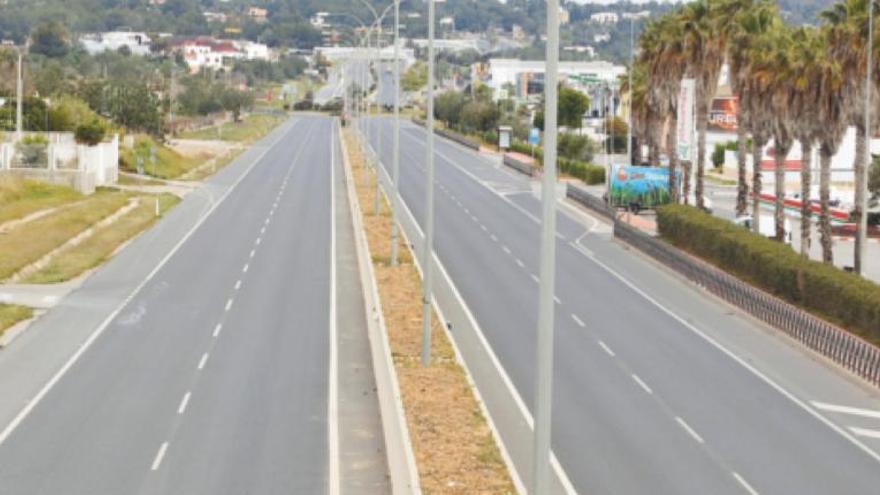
[
  {"x": 722, "y": 115},
  {"x": 686, "y": 124}
]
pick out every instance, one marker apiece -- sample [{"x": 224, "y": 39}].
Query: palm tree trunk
[
  {"x": 824, "y": 197},
  {"x": 637, "y": 157},
  {"x": 857, "y": 212},
  {"x": 806, "y": 185},
  {"x": 702, "y": 122},
  {"x": 672, "y": 145},
  {"x": 686, "y": 168},
  {"x": 782, "y": 148},
  {"x": 757, "y": 150},
  {"x": 742, "y": 187}
]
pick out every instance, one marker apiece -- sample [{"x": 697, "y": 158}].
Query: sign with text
[
  {"x": 722, "y": 115},
  {"x": 685, "y": 128}
]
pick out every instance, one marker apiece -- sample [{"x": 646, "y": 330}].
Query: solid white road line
[
  {"x": 26, "y": 410},
  {"x": 642, "y": 384},
  {"x": 865, "y": 432},
  {"x": 228, "y": 304},
  {"x": 855, "y": 411},
  {"x": 606, "y": 348},
  {"x": 159, "y": 456},
  {"x": 217, "y": 330},
  {"x": 578, "y": 320},
  {"x": 688, "y": 429},
  {"x": 238, "y": 285},
  {"x": 183, "y": 403},
  {"x": 203, "y": 361},
  {"x": 744, "y": 483}
]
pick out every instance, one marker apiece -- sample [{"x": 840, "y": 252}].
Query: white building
[
  {"x": 254, "y": 51},
  {"x": 137, "y": 43},
  {"x": 526, "y": 77},
  {"x": 207, "y": 53},
  {"x": 605, "y": 18}
]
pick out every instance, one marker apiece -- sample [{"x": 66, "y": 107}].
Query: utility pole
[
  {"x": 862, "y": 192},
  {"x": 544, "y": 357},
  {"x": 395, "y": 165},
  {"x": 427, "y": 255},
  {"x": 19, "y": 105}
]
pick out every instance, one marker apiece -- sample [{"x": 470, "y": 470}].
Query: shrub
[
  {"x": 843, "y": 298},
  {"x": 718, "y": 155},
  {"x": 90, "y": 133}
]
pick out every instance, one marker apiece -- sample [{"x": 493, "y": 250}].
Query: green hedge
[
  {"x": 587, "y": 172},
  {"x": 828, "y": 292}
]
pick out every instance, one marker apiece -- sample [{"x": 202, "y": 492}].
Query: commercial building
[{"x": 522, "y": 79}]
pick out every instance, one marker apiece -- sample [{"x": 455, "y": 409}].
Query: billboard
[
  {"x": 722, "y": 115},
  {"x": 686, "y": 125},
  {"x": 647, "y": 187}
]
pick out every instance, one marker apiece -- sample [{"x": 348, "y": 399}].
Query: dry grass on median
[
  {"x": 453, "y": 445},
  {"x": 98, "y": 248},
  {"x": 11, "y": 314},
  {"x": 22, "y": 197}
]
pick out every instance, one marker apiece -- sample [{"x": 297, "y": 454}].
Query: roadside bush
[
  {"x": 587, "y": 172},
  {"x": 828, "y": 292},
  {"x": 718, "y": 156},
  {"x": 90, "y": 133}
]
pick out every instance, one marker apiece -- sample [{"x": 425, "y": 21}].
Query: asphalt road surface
[
  {"x": 658, "y": 387},
  {"x": 214, "y": 377}
]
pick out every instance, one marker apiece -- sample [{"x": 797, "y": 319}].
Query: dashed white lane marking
[
  {"x": 467, "y": 211},
  {"x": 688, "y": 429},
  {"x": 203, "y": 360},
  {"x": 578, "y": 320},
  {"x": 558, "y": 301},
  {"x": 484, "y": 228},
  {"x": 159, "y": 456},
  {"x": 865, "y": 432},
  {"x": 535, "y": 278},
  {"x": 744, "y": 483},
  {"x": 855, "y": 411},
  {"x": 606, "y": 348},
  {"x": 262, "y": 230},
  {"x": 520, "y": 263},
  {"x": 183, "y": 403},
  {"x": 642, "y": 384},
  {"x": 259, "y": 240},
  {"x": 238, "y": 285},
  {"x": 228, "y": 304},
  {"x": 506, "y": 249},
  {"x": 253, "y": 252},
  {"x": 217, "y": 330},
  {"x": 268, "y": 219},
  {"x": 494, "y": 238},
  {"x": 245, "y": 269}
]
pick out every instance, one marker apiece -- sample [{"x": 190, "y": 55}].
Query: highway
[
  {"x": 658, "y": 387},
  {"x": 215, "y": 376}
]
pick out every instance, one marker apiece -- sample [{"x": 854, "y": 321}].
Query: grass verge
[
  {"x": 98, "y": 248},
  {"x": 250, "y": 129},
  {"x": 220, "y": 162},
  {"x": 453, "y": 445},
  {"x": 169, "y": 163},
  {"x": 29, "y": 242},
  {"x": 11, "y": 314},
  {"x": 21, "y": 197}
]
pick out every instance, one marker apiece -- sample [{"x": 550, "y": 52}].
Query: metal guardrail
[
  {"x": 844, "y": 348},
  {"x": 519, "y": 166}
]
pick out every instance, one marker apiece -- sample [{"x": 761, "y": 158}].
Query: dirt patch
[{"x": 453, "y": 445}]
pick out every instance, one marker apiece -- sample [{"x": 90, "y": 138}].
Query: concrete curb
[{"x": 401, "y": 459}]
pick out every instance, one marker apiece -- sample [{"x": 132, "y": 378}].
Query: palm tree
[
  {"x": 847, "y": 34},
  {"x": 704, "y": 50},
  {"x": 748, "y": 20}
]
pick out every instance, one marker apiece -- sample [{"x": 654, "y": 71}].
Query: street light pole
[
  {"x": 632, "y": 66},
  {"x": 19, "y": 88},
  {"x": 395, "y": 165},
  {"x": 427, "y": 255},
  {"x": 544, "y": 356},
  {"x": 862, "y": 192}
]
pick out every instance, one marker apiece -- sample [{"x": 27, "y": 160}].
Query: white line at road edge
[
  {"x": 103, "y": 326},
  {"x": 159, "y": 456},
  {"x": 865, "y": 432},
  {"x": 333, "y": 392},
  {"x": 855, "y": 411}
]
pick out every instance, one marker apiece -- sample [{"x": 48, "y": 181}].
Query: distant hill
[{"x": 800, "y": 12}]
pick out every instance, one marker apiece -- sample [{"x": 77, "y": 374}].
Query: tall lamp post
[
  {"x": 427, "y": 254},
  {"x": 395, "y": 164},
  {"x": 862, "y": 193},
  {"x": 544, "y": 357},
  {"x": 19, "y": 105}
]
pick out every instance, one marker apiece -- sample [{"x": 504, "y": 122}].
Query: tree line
[{"x": 804, "y": 84}]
